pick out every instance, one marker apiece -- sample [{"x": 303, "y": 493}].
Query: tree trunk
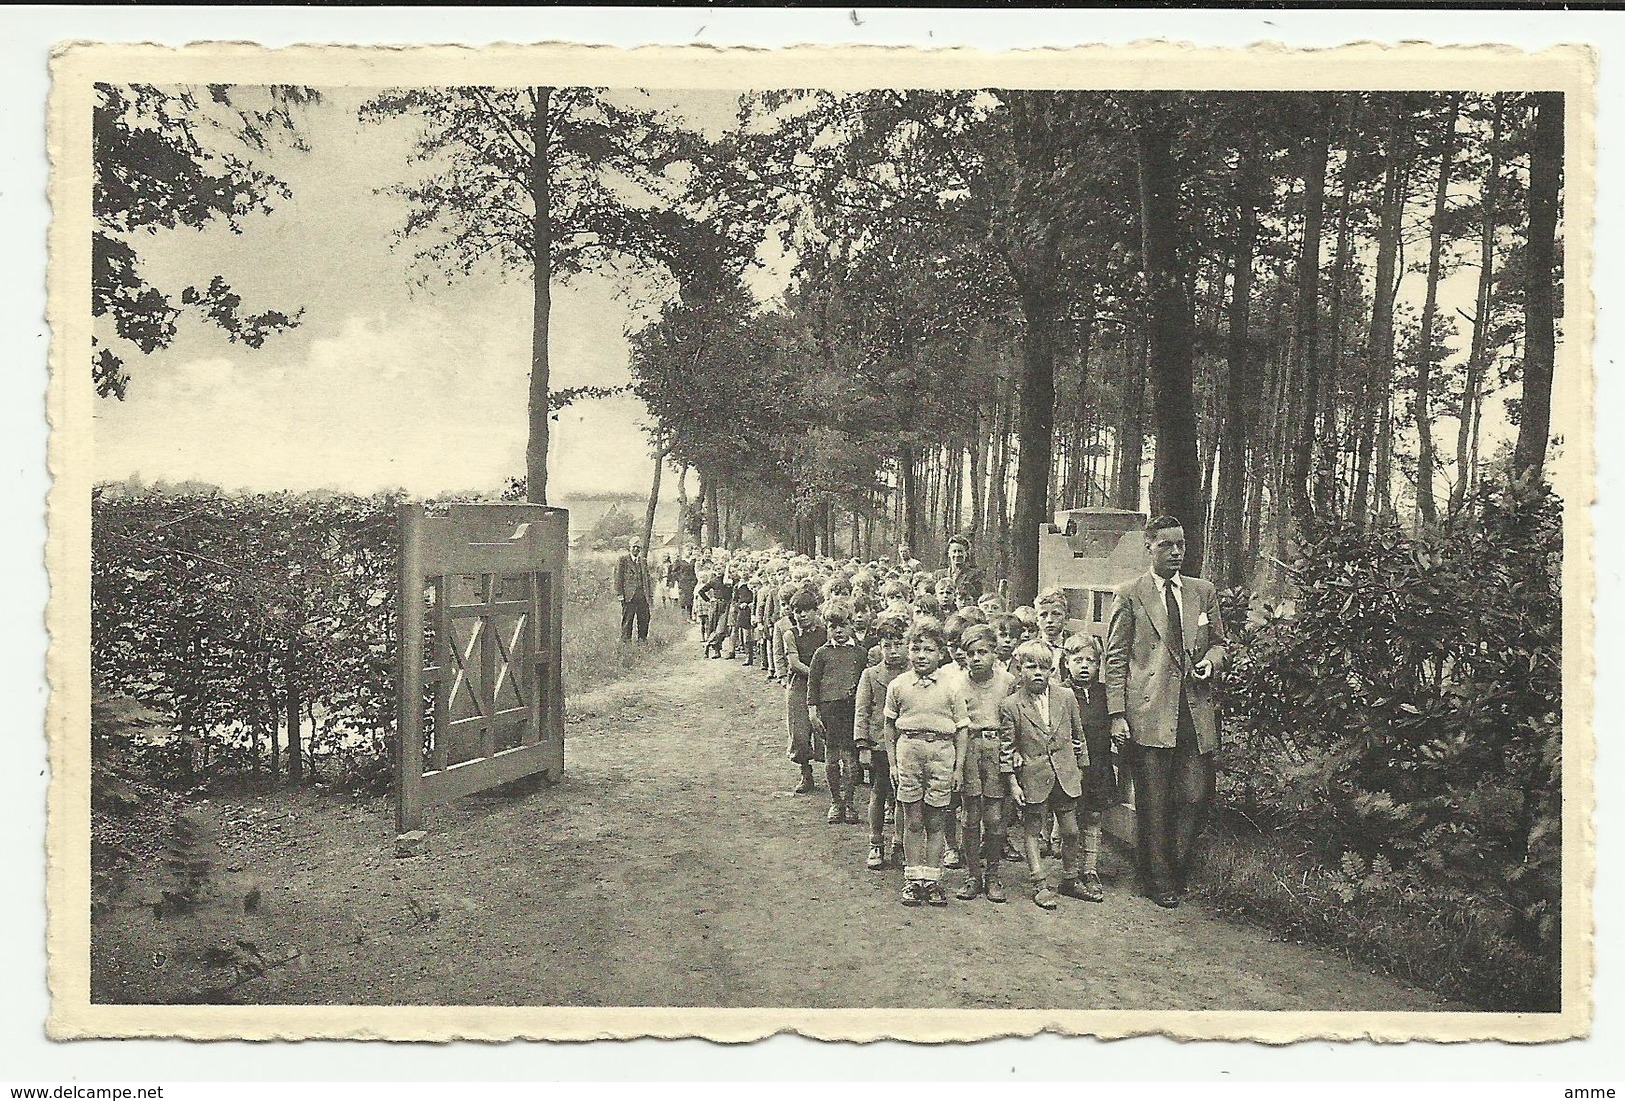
[
  {"x": 978, "y": 472},
  {"x": 910, "y": 497},
  {"x": 654, "y": 499},
  {"x": 1131, "y": 431},
  {"x": 1466, "y": 428},
  {"x": 1328, "y": 499},
  {"x": 1231, "y": 503},
  {"x": 1540, "y": 289},
  {"x": 296, "y": 743},
  {"x": 542, "y": 300},
  {"x": 1379, "y": 349},
  {"x": 682, "y": 506},
  {"x": 1307, "y": 344},
  {"x": 708, "y": 490},
  {"x": 1033, "y": 429},
  {"x": 1176, "y": 479},
  {"x": 1426, "y": 509}
]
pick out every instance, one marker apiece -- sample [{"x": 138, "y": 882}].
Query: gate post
[{"x": 409, "y": 671}]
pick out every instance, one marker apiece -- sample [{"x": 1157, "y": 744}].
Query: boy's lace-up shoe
[
  {"x": 969, "y": 889},
  {"x": 835, "y": 816},
  {"x": 993, "y": 889},
  {"x": 852, "y": 818},
  {"x": 934, "y": 894},
  {"x": 1043, "y": 897},
  {"x": 877, "y": 858},
  {"x": 913, "y": 893},
  {"x": 952, "y": 859}
]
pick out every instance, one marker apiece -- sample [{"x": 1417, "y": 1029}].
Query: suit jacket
[
  {"x": 631, "y": 578},
  {"x": 1048, "y": 754},
  {"x": 1144, "y": 677}
]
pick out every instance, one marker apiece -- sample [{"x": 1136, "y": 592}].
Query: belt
[
  {"x": 926, "y": 735},
  {"x": 987, "y": 731}
]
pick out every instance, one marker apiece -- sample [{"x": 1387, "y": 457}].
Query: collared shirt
[
  {"x": 982, "y": 698},
  {"x": 1042, "y": 703},
  {"x": 931, "y": 703}
]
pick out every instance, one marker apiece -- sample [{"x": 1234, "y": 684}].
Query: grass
[
  {"x": 594, "y": 654},
  {"x": 1456, "y": 946}
]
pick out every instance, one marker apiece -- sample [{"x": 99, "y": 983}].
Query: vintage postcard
[{"x": 561, "y": 542}]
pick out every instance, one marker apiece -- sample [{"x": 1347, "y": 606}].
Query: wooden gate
[{"x": 480, "y": 701}]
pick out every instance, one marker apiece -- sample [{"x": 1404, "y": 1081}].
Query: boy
[
  {"x": 870, "y": 732},
  {"x": 863, "y": 623},
  {"x": 832, "y": 687},
  {"x": 992, "y": 605},
  {"x": 744, "y": 624},
  {"x": 926, "y": 734},
  {"x": 984, "y": 686},
  {"x": 1042, "y": 751},
  {"x": 1050, "y": 610},
  {"x": 1007, "y": 628},
  {"x": 801, "y": 641},
  {"x": 781, "y": 628},
  {"x": 1081, "y": 663}
]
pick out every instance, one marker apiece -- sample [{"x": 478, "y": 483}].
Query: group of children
[{"x": 985, "y": 731}]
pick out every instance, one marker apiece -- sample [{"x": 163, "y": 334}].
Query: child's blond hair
[{"x": 1040, "y": 653}]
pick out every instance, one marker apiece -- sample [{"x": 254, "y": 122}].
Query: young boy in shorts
[
  {"x": 1081, "y": 662},
  {"x": 832, "y": 687},
  {"x": 926, "y": 734},
  {"x": 1042, "y": 752},
  {"x": 985, "y": 684},
  {"x": 870, "y": 732}
]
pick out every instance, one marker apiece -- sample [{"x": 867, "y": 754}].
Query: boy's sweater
[{"x": 833, "y": 673}]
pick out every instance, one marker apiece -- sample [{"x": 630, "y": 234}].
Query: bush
[{"x": 1400, "y": 706}]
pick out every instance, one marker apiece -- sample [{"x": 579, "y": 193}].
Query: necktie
[{"x": 1176, "y": 628}]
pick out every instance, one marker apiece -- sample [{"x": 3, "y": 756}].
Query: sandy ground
[{"x": 671, "y": 867}]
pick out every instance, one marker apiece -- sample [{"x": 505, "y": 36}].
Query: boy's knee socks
[{"x": 1091, "y": 849}]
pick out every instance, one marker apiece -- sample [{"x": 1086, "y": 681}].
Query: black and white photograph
[{"x": 1002, "y": 544}]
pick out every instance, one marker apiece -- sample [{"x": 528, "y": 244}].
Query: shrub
[{"x": 1401, "y": 707}]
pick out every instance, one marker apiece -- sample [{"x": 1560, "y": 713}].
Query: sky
[
  {"x": 389, "y": 383},
  {"x": 384, "y": 383}
]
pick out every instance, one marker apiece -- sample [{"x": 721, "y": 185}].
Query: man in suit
[
  {"x": 1164, "y": 642},
  {"x": 633, "y": 589}
]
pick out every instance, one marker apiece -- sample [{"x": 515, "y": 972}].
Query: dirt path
[{"x": 673, "y": 867}]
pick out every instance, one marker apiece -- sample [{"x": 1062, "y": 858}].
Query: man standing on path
[
  {"x": 684, "y": 578},
  {"x": 632, "y": 588},
  {"x": 1164, "y": 641}
]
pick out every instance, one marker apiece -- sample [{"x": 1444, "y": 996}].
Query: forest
[{"x": 1006, "y": 303}]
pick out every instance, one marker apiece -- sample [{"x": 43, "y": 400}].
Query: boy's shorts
[
  {"x": 837, "y": 715},
  {"x": 1056, "y": 802},
  {"x": 924, "y": 769},
  {"x": 983, "y": 780}
]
